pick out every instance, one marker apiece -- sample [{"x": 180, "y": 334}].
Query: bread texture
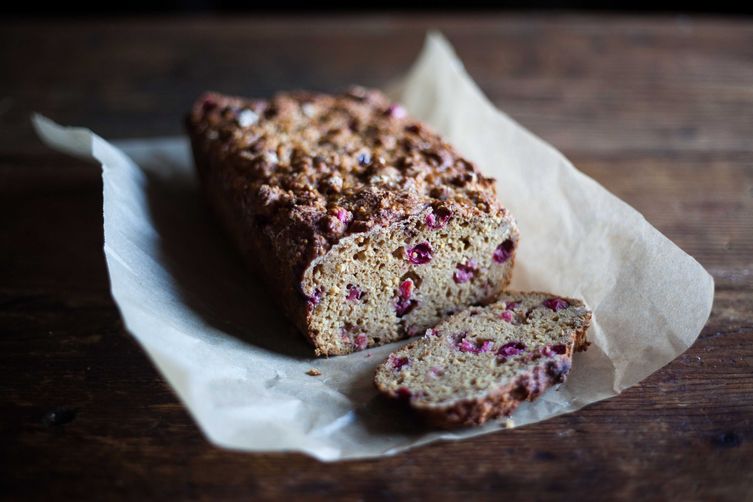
[
  {"x": 365, "y": 226},
  {"x": 483, "y": 362}
]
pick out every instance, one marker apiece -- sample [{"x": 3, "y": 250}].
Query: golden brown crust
[{"x": 316, "y": 167}]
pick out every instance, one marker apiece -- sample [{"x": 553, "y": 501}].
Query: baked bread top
[{"x": 313, "y": 168}]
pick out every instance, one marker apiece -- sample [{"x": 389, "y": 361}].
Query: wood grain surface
[{"x": 659, "y": 110}]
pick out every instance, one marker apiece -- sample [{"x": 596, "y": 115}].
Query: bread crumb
[
  {"x": 313, "y": 372},
  {"x": 509, "y": 423}
]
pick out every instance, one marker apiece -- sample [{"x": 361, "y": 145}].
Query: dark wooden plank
[{"x": 659, "y": 110}]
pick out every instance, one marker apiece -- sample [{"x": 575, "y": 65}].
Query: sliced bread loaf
[
  {"x": 484, "y": 361},
  {"x": 366, "y": 226}
]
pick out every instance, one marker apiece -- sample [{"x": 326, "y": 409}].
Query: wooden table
[{"x": 659, "y": 110}]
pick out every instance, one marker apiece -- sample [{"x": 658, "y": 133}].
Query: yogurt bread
[
  {"x": 365, "y": 226},
  {"x": 483, "y": 362}
]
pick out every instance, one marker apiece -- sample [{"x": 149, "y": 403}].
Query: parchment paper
[{"x": 240, "y": 369}]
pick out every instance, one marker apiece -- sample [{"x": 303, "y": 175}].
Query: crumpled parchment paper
[{"x": 240, "y": 368}]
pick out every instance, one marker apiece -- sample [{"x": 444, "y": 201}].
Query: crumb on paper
[
  {"x": 368, "y": 356},
  {"x": 509, "y": 423},
  {"x": 313, "y": 372}
]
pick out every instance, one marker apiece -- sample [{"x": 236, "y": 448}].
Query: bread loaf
[{"x": 365, "y": 226}]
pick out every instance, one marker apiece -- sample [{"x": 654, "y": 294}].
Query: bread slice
[
  {"x": 364, "y": 224},
  {"x": 483, "y": 362}
]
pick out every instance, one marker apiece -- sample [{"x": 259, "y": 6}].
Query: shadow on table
[
  {"x": 384, "y": 416},
  {"x": 209, "y": 273}
]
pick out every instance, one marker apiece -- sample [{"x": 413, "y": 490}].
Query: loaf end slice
[{"x": 483, "y": 362}]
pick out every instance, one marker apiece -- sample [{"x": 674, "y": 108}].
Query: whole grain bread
[
  {"x": 364, "y": 224},
  {"x": 483, "y": 362}
]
